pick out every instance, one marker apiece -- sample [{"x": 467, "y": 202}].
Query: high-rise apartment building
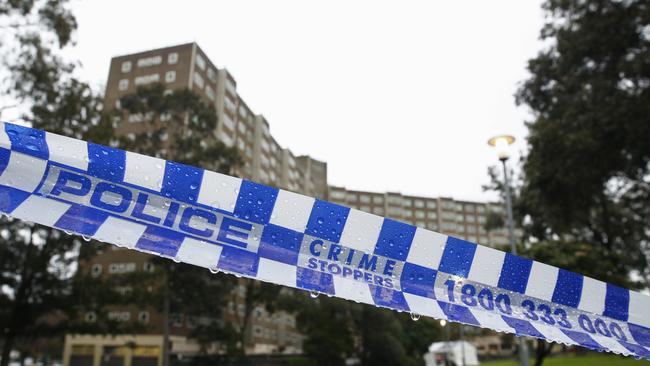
[
  {"x": 188, "y": 67},
  {"x": 264, "y": 160},
  {"x": 463, "y": 219}
]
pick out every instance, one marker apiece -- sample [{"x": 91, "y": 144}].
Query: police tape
[{"x": 244, "y": 228}]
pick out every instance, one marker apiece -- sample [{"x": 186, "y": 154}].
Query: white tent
[{"x": 453, "y": 352}]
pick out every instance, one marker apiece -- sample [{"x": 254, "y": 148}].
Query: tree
[
  {"x": 381, "y": 335},
  {"x": 584, "y": 186},
  {"x": 328, "y": 324},
  {"x": 181, "y": 128},
  {"x": 37, "y": 265},
  {"x": 338, "y": 329},
  {"x": 256, "y": 294},
  {"x": 418, "y": 335},
  {"x": 587, "y": 169}
]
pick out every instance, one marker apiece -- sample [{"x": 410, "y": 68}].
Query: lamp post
[
  {"x": 443, "y": 323},
  {"x": 502, "y": 144}
]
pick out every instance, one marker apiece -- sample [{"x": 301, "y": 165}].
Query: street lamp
[
  {"x": 502, "y": 144},
  {"x": 447, "y": 347}
]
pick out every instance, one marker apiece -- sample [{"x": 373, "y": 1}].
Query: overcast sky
[{"x": 395, "y": 96}]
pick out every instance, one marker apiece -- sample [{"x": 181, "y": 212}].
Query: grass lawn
[{"x": 586, "y": 360}]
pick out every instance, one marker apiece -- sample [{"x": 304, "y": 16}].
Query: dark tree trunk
[
  {"x": 21, "y": 293},
  {"x": 542, "y": 350},
  {"x": 6, "y": 349},
  {"x": 165, "y": 360},
  {"x": 249, "y": 305}
]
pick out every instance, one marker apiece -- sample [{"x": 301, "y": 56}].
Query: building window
[
  {"x": 198, "y": 80},
  {"x": 448, "y": 205},
  {"x": 170, "y": 76},
  {"x": 228, "y": 122},
  {"x": 448, "y": 227},
  {"x": 149, "y": 61},
  {"x": 172, "y": 58},
  {"x": 212, "y": 75},
  {"x": 378, "y": 211},
  {"x": 147, "y": 79},
  {"x": 431, "y": 204},
  {"x": 90, "y": 317},
  {"x": 126, "y": 66},
  {"x": 120, "y": 316},
  {"x": 209, "y": 92},
  {"x": 419, "y": 204},
  {"x": 394, "y": 211},
  {"x": 337, "y": 195},
  {"x": 419, "y": 214},
  {"x": 148, "y": 267},
  {"x": 448, "y": 216},
  {"x": 230, "y": 87},
  {"x": 432, "y": 215},
  {"x": 123, "y": 85},
  {"x": 177, "y": 320},
  {"x": 364, "y": 199},
  {"x": 143, "y": 317},
  {"x": 96, "y": 270},
  {"x": 241, "y": 289},
  {"x": 139, "y": 117},
  {"x": 377, "y": 199},
  {"x": 230, "y": 105},
  {"x": 242, "y": 128},
  {"x": 242, "y": 110},
  {"x": 121, "y": 267},
  {"x": 200, "y": 62}
]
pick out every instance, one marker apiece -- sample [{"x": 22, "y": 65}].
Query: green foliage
[
  {"x": 39, "y": 297},
  {"x": 338, "y": 329},
  {"x": 418, "y": 335},
  {"x": 584, "y": 201},
  {"x": 585, "y": 187},
  {"x": 185, "y": 135},
  {"x": 327, "y": 323}
]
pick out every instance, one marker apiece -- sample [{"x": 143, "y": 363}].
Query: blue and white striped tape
[{"x": 237, "y": 226}]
